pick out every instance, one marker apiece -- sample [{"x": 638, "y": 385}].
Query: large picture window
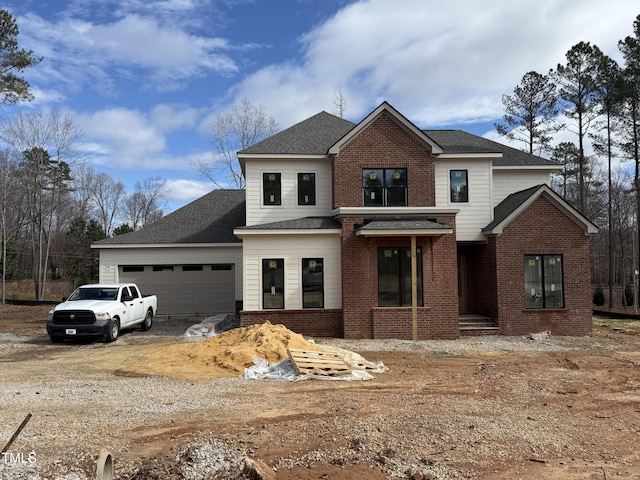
[
  {"x": 312, "y": 283},
  {"x": 306, "y": 189},
  {"x": 394, "y": 276},
  {"x": 273, "y": 283},
  {"x": 459, "y": 185},
  {"x": 384, "y": 187},
  {"x": 271, "y": 185},
  {"x": 543, "y": 281}
]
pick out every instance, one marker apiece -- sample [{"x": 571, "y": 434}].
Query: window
[
  {"x": 312, "y": 283},
  {"x": 384, "y": 187},
  {"x": 394, "y": 276},
  {"x": 306, "y": 189},
  {"x": 132, "y": 268},
  {"x": 458, "y": 181},
  {"x": 273, "y": 283},
  {"x": 543, "y": 281},
  {"x": 192, "y": 268},
  {"x": 271, "y": 188},
  {"x": 163, "y": 268},
  {"x": 222, "y": 266}
]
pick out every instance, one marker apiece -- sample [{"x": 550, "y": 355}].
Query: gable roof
[
  {"x": 323, "y": 133},
  {"x": 209, "y": 219},
  {"x": 460, "y": 142},
  {"x": 515, "y": 203},
  {"x": 398, "y": 117},
  {"x": 312, "y": 136}
]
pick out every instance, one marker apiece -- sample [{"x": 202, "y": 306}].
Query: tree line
[
  {"x": 53, "y": 205},
  {"x": 592, "y": 103}
]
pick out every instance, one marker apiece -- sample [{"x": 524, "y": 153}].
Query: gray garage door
[{"x": 185, "y": 289}]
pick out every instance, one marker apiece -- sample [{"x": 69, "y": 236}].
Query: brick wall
[
  {"x": 437, "y": 319},
  {"x": 308, "y": 322},
  {"x": 384, "y": 144},
  {"x": 543, "y": 229}
]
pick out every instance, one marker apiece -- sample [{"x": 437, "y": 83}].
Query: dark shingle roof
[
  {"x": 510, "y": 205},
  {"x": 312, "y": 136},
  {"x": 409, "y": 224},
  {"x": 306, "y": 223},
  {"x": 209, "y": 219},
  {"x": 457, "y": 141},
  {"x": 315, "y": 135}
]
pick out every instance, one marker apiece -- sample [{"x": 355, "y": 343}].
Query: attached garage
[
  {"x": 190, "y": 258},
  {"x": 185, "y": 289}
]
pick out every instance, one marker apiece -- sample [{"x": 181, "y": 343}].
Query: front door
[{"x": 463, "y": 304}]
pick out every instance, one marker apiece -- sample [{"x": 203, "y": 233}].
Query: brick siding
[
  {"x": 384, "y": 144},
  {"x": 543, "y": 229},
  {"x": 308, "y": 322}
]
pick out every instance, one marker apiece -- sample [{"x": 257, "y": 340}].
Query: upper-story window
[
  {"x": 459, "y": 184},
  {"x": 271, "y": 188},
  {"x": 384, "y": 187},
  {"x": 306, "y": 189}
]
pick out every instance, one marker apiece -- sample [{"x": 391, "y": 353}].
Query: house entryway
[{"x": 471, "y": 324}]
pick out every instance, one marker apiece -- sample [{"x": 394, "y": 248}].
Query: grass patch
[{"x": 618, "y": 324}]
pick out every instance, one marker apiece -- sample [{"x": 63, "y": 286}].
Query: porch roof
[{"x": 403, "y": 228}]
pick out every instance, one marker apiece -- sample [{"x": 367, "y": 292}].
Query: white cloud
[
  {"x": 166, "y": 57},
  {"x": 184, "y": 190},
  {"x": 128, "y": 139},
  {"x": 437, "y": 64},
  {"x": 174, "y": 117}
]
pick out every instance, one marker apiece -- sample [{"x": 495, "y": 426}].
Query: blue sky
[{"x": 144, "y": 79}]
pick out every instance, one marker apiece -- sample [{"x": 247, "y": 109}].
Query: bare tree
[
  {"x": 107, "y": 195},
  {"x": 144, "y": 206},
  {"x": 48, "y": 144},
  {"x": 243, "y": 126},
  {"x": 339, "y": 101},
  {"x": 11, "y": 217}
]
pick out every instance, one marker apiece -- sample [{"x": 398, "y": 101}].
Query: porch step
[{"x": 477, "y": 325}]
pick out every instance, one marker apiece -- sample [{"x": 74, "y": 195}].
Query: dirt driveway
[{"x": 496, "y": 408}]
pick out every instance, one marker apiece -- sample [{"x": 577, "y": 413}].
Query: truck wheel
[
  {"x": 114, "y": 331},
  {"x": 148, "y": 321},
  {"x": 55, "y": 339}
]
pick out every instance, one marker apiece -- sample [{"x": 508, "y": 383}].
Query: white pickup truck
[{"x": 99, "y": 311}]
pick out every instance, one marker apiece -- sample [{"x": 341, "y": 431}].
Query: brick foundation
[{"x": 311, "y": 323}]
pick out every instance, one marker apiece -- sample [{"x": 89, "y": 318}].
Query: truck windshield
[{"x": 94, "y": 294}]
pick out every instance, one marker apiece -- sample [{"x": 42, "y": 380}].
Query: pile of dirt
[{"x": 227, "y": 354}]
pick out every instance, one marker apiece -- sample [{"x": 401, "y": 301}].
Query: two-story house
[{"x": 382, "y": 230}]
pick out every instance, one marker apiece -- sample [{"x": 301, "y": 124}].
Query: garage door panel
[{"x": 206, "y": 291}]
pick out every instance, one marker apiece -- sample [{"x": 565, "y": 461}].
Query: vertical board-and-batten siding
[
  {"x": 478, "y": 211},
  {"x": 292, "y": 249},
  {"x": 257, "y": 213},
  {"x": 112, "y": 258}
]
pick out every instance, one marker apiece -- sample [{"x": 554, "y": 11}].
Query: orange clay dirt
[{"x": 532, "y": 407}]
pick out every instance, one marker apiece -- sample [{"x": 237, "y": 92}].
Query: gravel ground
[{"x": 490, "y": 407}]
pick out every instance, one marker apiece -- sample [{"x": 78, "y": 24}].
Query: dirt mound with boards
[{"x": 227, "y": 354}]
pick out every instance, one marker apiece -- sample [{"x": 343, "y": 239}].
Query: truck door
[{"x": 135, "y": 305}]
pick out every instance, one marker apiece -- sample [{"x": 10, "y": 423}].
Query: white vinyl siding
[
  {"x": 477, "y": 212},
  {"x": 506, "y": 182},
  {"x": 292, "y": 249},
  {"x": 258, "y": 213}
]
